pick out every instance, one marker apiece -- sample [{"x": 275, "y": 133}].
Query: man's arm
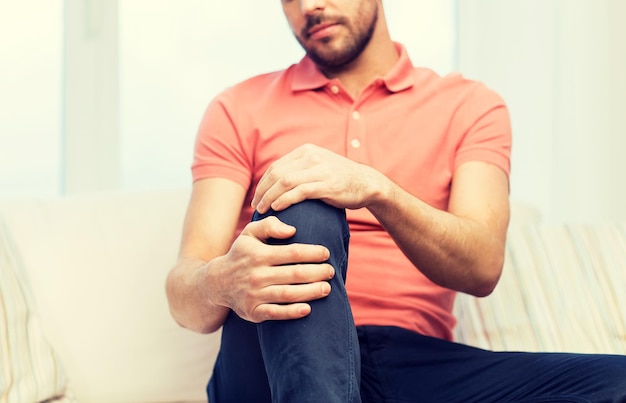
[
  {"x": 215, "y": 274},
  {"x": 208, "y": 230},
  {"x": 461, "y": 249}
]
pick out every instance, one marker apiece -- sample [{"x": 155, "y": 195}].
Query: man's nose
[{"x": 312, "y": 6}]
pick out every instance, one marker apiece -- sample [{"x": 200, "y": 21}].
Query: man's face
[{"x": 334, "y": 32}]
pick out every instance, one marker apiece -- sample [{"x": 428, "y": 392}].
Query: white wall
[
  {"x": 560, "y": 65},
  {"x": 31, "y": 48}
]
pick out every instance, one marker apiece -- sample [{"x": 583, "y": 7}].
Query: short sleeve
[
  {"x": 485, "y": 121},
  {"x": 221, "y": 149}
]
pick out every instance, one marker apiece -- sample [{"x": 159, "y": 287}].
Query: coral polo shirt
[{"x": 411, "y": 124}]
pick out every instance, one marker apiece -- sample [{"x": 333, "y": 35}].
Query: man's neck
[{"x": 376, "y": 61}]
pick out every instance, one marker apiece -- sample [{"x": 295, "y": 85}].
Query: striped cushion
[
  {"x": 563, "y": 289},
  {"x": 29, "y": 369}
]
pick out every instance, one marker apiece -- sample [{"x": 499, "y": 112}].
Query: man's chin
[{"x": 330, "y": 60}]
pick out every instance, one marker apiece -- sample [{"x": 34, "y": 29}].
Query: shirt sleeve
[
  {"x": 486, "y": 127},
  {"x": 220, "y": 151}
]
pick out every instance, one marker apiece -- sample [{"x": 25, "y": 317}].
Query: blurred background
[{"x": 106, "y": 95}]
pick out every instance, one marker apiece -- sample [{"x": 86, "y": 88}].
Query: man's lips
[{"x": 320, "y": 30}]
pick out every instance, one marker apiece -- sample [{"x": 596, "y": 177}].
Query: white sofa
[{"x": 86, "y": 319}]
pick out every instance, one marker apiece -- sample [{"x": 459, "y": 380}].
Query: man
[{"x": 355, "y": 143}]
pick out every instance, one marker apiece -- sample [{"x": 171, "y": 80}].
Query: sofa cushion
[
  {"x": 30, "y": 370},
  {"x": 562, "y": 289},
  {"x": 97, "y": 265}
]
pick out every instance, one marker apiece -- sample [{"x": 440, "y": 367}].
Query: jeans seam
[
  {"x": 551, "y": 398},
  {"x": 347, "y": 315}
]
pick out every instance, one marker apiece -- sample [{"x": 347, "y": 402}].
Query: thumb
[{"x": 269, "y": 227}]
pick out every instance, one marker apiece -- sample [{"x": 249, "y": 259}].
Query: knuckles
[
  {"x": 271, "y": 313},
  {"x": 256, "y": 280},
  {"x": 286, "y": 182},
  {"x": 285, "y": 295},
  {"x": 294, "y": 254}
]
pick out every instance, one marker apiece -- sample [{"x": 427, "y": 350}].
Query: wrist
[
  {"x": 381, "y": 192},
  {"x": 193, "y": 303},
  {"x": 206, "y": 287}
]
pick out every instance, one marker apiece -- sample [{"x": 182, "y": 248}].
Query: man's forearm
[{"x": 457, "y": 253}]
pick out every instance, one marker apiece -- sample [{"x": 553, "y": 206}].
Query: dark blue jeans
[{"x": 324, "y": 358}]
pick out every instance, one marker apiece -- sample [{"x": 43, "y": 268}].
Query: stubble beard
[{"x": 331, "y": 58}]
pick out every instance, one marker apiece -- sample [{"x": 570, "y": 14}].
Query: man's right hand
[{"x": 267, "y": 282}]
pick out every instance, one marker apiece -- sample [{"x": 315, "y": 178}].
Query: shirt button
[
  {"x": 334, "y": 89},
  {"x": 355, "y": 143},
  {"x": 356, "y": 115}
]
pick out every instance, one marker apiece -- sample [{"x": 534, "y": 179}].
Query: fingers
[
  {"x": 289, "y": 275},
  {"x": 269, "y": 227},
  {"x": 269, "y": 178},
  {"x": 274, "y": 185},
  {"x": 287, "y": 192},
  {"x": 279, "y": 312},
  {"x": 286, "y": 173},
  {"x": 281, "y": 293},
  {"x": 289, "y": 306},
  {"x": 272, "y": 227}
]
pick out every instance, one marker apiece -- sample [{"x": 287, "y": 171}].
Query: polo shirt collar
[{"x": 306, "y": 75}]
